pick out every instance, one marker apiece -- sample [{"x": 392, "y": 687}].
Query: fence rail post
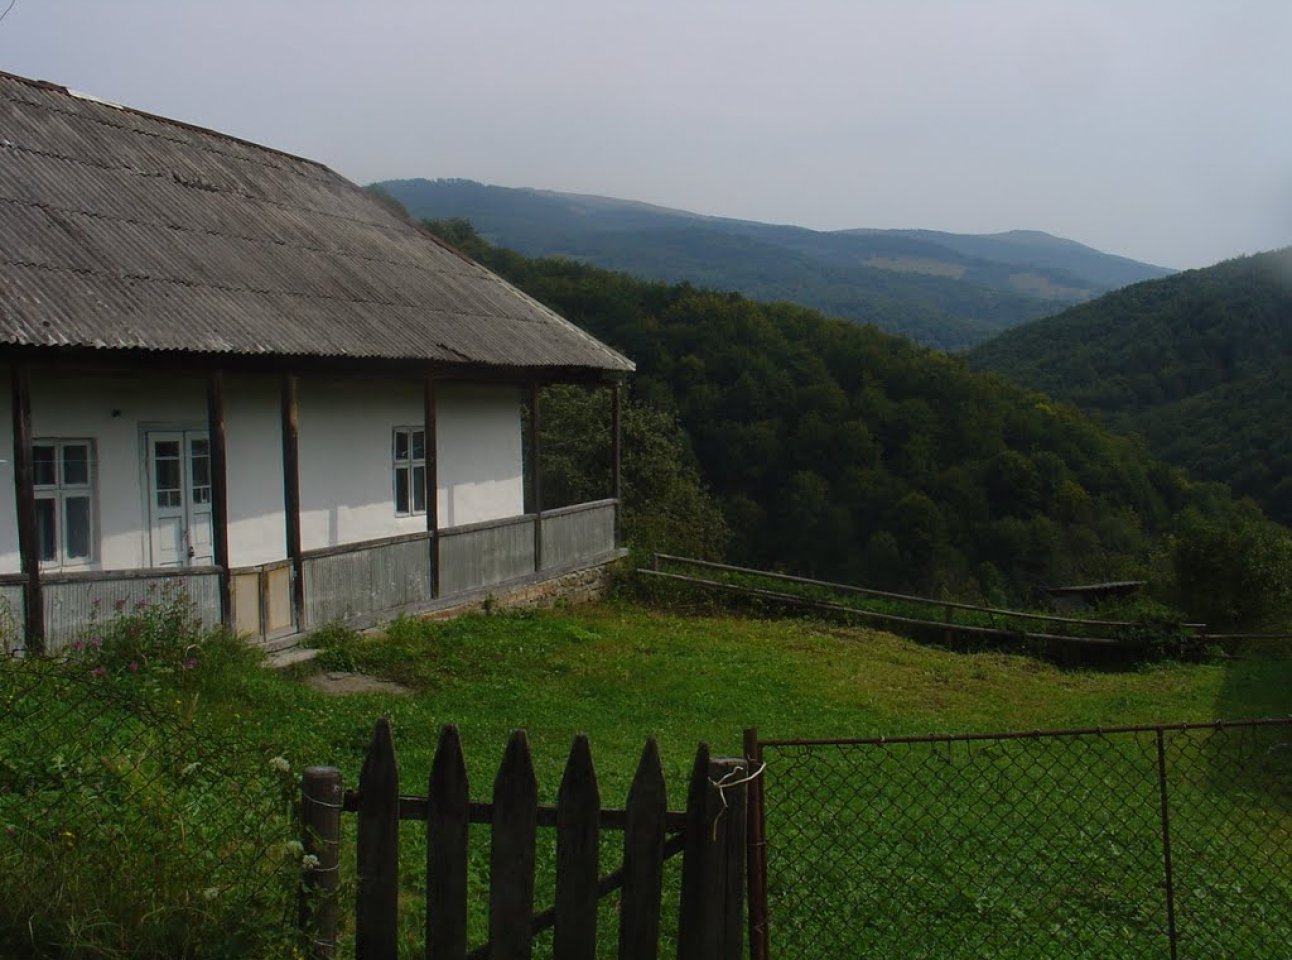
[
  {"x": 711, "y": 914},
  {"x": 643, "y": 859},
  {"x": 377, "y": 898},
  {"x": 757, "y": 853},
  {"x": 447, "y": 817},
  {"x": 321, "y": 830}
]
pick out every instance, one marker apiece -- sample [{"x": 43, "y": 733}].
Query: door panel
[{"x": 179, "y": 498}]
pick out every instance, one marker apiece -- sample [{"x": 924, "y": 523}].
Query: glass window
[
  {"x": 63, "y": 473},
  {"x": 409, "y": 449}
]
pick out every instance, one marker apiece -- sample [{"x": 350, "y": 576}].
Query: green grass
[{"x": 622, "y": 672}]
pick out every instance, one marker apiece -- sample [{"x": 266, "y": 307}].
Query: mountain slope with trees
[
  {"x": 836, "y": 450},
  {"x": 1199, "y": 363},
  {"x": 944, "y": 290}
]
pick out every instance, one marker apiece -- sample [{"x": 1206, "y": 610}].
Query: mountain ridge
[{"x": 944, "y": 290}]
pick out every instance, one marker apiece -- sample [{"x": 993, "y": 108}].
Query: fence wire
[
  {"x": 1143, "y": 843},
  {"x": 130, "y": 825}
]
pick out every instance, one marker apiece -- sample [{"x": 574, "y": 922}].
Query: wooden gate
[{"x": 710, "y": 835}]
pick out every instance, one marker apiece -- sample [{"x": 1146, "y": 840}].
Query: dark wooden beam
[
  {"x": 219, "y": 489},
  {"x": 536, "y": 472},
  {"x": 25, "y": 495},
  {"x": 616, "y": 456},
  {"x": 290, "y": 408},
  {"x": 430, "y": 421}
]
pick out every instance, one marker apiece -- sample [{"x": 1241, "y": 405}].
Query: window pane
[
  {"x": 200, "y": 471},
  {"x": 401, "y": 444},
  {"x": 44, "y": 468},
  {"x": 76, "y": 464},
  {"x": 77, "y": 513},
  {"x": 401, "y": 489},
  {"x": 419, "y": 489},
  {"x": 46, "y": 529},
  {"x": 166, "y": 473},
  {"x": 419, "y": 444}
]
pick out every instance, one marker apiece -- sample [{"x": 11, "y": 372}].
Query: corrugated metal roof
[{"x": 126, "y": 231}]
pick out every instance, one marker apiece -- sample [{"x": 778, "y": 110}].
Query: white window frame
[
  {"x": 59, "y": 492},
  {"x": 408, "y": 465}
]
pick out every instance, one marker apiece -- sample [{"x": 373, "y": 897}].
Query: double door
[{"x": 179, "y": 498}]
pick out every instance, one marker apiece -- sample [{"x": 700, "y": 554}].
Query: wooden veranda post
[
  {"x": 25, "y": 489},
  {"x": 616, "y": 458},
  {"x": 430, "y": 420},
  {"x": 219, "y": 489},
  {"x": 290, "y": 408},
  {"x": 321, "y": 828},
  {"x": 536, "y": 471}
]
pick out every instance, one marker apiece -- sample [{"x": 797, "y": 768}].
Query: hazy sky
[{"x": 1157, "y": 130}]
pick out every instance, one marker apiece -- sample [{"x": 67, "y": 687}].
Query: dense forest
[
  {"x": 1199, "y": 363},
  {"x": 837, "y": 450},
  {"x": 941, "y": 289}
]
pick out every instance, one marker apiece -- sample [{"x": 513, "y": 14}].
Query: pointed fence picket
[{"x": 709, "y": 834}]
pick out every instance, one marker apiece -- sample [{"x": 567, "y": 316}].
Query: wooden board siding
[
  {"x": 366, "y": 580},
  {"x": 71, "y": 608},
  {"x": 481, "y": 555},
  {"x": 578, "y": 533}
]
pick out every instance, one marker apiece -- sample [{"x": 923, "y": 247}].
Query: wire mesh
[
  {"x": 1040, "y": 845},
  {"x": 128, "y": 823}
]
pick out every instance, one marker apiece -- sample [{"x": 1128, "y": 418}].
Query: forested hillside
[
  {"x": 1199, "y": 363},
  {"x": 840, "y": 451},
  {"x": 945, "y": 290}
]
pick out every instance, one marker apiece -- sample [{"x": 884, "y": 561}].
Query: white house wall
[
  {"x": 345, "y": 456},
  {"x": 479, "y": 454},
  {"x": 345, "y": 442},
  {"x": 113, "y": 410},
  {"x": 254, "y": 477}
]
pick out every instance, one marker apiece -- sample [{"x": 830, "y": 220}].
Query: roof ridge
[{"x": 51, "y": 87}]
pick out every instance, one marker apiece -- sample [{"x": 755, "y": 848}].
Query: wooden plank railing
[{"x": 709, "y": 834}]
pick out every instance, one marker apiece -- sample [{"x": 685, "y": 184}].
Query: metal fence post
[
  {"x": 1166, "y": 842},
  {"x": 756, "y": 855},
  {"x": 321, "y": 833}
]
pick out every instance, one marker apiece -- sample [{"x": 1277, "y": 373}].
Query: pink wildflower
[
  {"x": 78, "y": 645},
  {"x": 133, "y": 666},
  {"x": 98, "y": 672},
  {"x": 190, "y": 663},
  {"x": 118, "y": 605},
  {"x": 141, "y": 605}
]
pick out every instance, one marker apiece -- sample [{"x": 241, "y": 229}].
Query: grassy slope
[{"x": 621, "y": 673}]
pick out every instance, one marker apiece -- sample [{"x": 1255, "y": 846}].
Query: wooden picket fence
[{"x": 710, "y": 835}]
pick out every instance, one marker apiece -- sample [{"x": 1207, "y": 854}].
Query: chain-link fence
[
  {"x": 133, "y": 825},
  {"x": 1144, "y": 842}
]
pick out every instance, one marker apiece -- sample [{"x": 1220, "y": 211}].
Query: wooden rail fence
[
  {"x": 710, "y": 835},
  {"x": 942, "y": 611}
]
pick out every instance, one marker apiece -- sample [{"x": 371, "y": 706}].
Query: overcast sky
[{"x": 1157, "y": 130}]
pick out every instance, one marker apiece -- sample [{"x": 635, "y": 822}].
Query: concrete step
[{"x": 289, "y": 657}]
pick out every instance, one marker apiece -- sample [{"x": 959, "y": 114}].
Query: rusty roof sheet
[{"x": 123, "y": 230}]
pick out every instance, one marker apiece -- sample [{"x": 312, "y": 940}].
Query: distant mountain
[
  {"x": 1200, "y": 363},
  {"x": 943, "y": 289}
]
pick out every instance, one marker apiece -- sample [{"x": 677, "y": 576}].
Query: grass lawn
[{"x": 621, "y": 672}]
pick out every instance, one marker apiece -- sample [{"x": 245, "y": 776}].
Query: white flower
[
  {"x": 309, "y": 861},
  {"x": 280, "y": 764},
  {"x": 294, "y": 849},
  {"x": 210, "y": 893}
]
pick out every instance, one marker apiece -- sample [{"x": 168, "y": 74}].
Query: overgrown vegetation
[
  {"x": 619, "y": 672},
  {"x": 1198, "y": 363},
  {"x": 133, "y": 822},
  {"x": 838, "y": 451}
]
